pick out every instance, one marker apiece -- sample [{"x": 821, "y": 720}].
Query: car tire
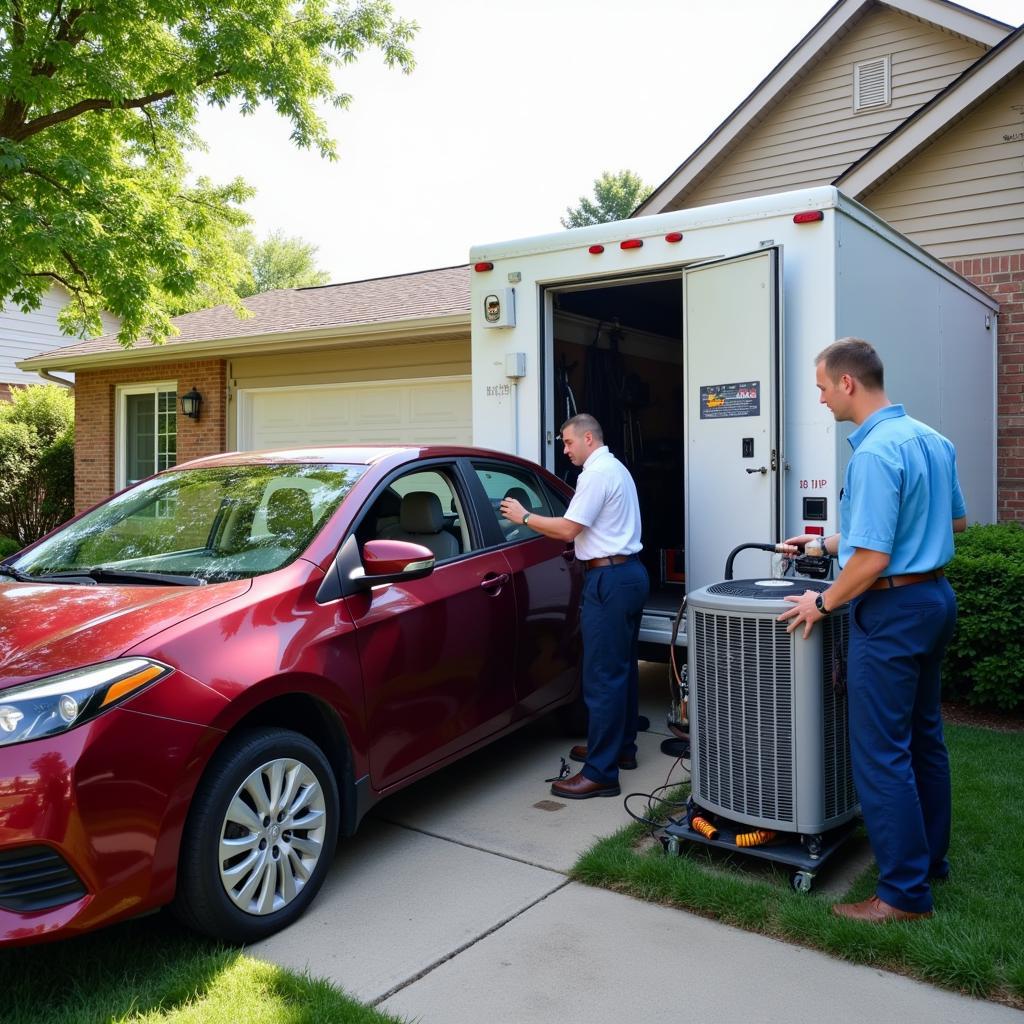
[{"x": 243, "y": 872}]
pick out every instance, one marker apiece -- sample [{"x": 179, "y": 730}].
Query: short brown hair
[
  {"x": 581, "y": 423},
  {"x": 856, "y": 357}
]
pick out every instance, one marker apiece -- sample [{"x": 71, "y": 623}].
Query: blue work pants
[
  {"x": 613, "y": 603},
  {"x": 900, "y": 765}
]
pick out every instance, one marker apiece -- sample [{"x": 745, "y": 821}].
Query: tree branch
[{"x": 84, "y": 106}]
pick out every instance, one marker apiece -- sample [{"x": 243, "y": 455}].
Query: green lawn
[
  {"x": 153, "y": 971},
  {"x": 972, "y": 944}
]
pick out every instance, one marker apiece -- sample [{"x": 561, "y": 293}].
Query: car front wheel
[{"x": 260, "y": 836}]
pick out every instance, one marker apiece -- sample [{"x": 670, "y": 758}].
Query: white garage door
[{"x": 435, "y": 411}]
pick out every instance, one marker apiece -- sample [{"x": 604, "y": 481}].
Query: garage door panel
[{"x": 417, "y": 412}]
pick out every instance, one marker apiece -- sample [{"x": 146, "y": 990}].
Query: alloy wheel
[{"x": 272, "y": 836}]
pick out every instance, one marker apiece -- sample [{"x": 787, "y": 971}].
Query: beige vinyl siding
[
  {"x": 964, "y": 194},
  {"x": 23, "y": 335},
  {"x": 446, "y": 358},
  {"x": 812, "y": 135}
]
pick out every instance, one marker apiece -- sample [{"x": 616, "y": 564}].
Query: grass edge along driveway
[
  {"x": 152, "y": 971},
  {"x": 972, "y": 944}
]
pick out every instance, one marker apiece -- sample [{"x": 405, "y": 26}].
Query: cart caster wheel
[{"x": 802, "y": 881}]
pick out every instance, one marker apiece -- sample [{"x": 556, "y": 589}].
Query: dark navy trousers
[
  {"x": 613, "y": 603},
  {"x": 900, "y": 765}
]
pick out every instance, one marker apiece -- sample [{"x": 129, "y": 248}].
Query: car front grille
[{"x": 36, "y": 878}]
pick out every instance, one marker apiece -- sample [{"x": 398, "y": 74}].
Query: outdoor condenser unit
[{"x": 767, "y": 709}]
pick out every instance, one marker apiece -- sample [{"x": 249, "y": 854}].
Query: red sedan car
[{"x": 209, "y": 677}]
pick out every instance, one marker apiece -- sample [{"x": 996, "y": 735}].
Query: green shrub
[
  {"x": 985, "y": 662},
  {"x": 37, "y": 462},
  {"x": 8, "y": 546}
]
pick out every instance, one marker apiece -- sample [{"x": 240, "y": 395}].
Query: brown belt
[
  {"x": 596, "y": 563},
  {"x": 887, "y": 582}
]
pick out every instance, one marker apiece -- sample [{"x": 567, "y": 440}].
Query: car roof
[{"x": 361, "y": 455}]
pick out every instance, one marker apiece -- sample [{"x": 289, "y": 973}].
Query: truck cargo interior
[{"x": 618, "y": 354}]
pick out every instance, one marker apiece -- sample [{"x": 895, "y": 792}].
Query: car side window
[
  {"x": 422, "y": 507},
  {"x": 500, "y": 482}
]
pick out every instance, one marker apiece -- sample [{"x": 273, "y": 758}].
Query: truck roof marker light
[
  {"x": 596, "y": 250},
  {"x": 632, "y": 243},
  {"x": 481, "y": 267},
  {"x": 808, "y": 216},
  {"x": 674, "y": 236}
]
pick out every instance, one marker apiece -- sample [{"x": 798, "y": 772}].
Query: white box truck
[{"x": 691, "y": 335}]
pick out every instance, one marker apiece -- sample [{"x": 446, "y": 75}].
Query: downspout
[{"x": 46, "y": 375}]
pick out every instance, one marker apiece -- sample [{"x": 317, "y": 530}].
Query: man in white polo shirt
[{"x": 603, "y": 520}]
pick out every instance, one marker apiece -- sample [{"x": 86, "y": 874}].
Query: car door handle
[{"x": 494, "y": 582}]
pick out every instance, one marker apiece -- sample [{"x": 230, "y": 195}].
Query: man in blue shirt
[{"x": 899, "y": 508}]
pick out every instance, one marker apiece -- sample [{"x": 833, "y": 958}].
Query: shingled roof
[{"x": 425, "y": 295}]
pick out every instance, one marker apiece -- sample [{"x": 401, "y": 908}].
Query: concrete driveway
[{"x": 452, "y": 905}]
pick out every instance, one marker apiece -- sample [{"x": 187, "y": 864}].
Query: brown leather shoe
[
  {"x": 876, "y": 911},
  {"x": 579, "y": 753},
  {"x": 579, "y": 787}
]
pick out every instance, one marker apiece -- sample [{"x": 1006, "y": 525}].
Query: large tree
[
  {"x": 98, "y": 106},
  {"x": 279, "y": 261},
  {"x": 616, "y": 196}
]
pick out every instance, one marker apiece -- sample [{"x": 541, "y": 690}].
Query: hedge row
[{"x": 985, "y": 662}]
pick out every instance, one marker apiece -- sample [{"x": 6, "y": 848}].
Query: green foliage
[
  {"x": 8, "y": 546},
  {"x": 616, "y": 196},
  {"x": 985, "y": 662},
  {"x": 279, "y": 262},
  {"x": 37, "y": 459},
  {"x": 98, "y": 106}
]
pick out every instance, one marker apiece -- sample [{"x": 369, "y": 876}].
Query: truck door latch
[{"x": 760, "y": 469}]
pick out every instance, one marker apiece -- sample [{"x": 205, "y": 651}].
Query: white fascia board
[
  {"x": 918, "y": 131},
  {"x": 979, "y": 28},
  {"x": 949, "y": 16},
  {"x": 422, "y": 329}
]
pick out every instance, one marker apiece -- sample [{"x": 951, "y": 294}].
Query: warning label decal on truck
[{"x": 723, "y": 401}]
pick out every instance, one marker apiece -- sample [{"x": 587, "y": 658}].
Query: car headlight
[{"x": 56, "y": 704}]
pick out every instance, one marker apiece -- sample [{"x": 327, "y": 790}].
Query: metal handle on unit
[{"x": 761, "y": 469}]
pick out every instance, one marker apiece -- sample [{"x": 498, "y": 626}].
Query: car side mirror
[
  {"x": 391, "y": 561},
  {"x": 379, "y": 561}
]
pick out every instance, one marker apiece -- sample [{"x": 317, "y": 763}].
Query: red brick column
[
  {"x": 1003, "y": 278},
  {"x": 95, "y": 397}
]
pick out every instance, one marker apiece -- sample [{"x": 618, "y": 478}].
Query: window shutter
[{"x": 871, "y": 84}]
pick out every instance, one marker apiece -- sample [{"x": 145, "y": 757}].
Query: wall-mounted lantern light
[{"x": 190, "y": 403}]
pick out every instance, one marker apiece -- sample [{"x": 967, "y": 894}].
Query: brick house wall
[
  {"x": 1003, "y": 278},
  {"x": 95, "y": 400}
]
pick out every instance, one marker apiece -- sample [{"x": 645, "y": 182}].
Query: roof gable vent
[{"x": 871, "y": 84}]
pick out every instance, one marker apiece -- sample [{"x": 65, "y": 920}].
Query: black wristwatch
[
  {"x": 526, "y": 517},
  {"x": 819, "y": 603}
]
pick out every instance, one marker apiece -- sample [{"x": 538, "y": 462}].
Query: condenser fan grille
[
  {"x": 840, "y": 795},
  {"x": 744, "y": 696}
]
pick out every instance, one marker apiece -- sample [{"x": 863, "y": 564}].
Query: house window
[
  {"x": 147, "y": 431},
  {"x": 871, "y": 84}
]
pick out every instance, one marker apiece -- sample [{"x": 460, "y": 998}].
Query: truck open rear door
[{"x": 733, "y": 455}]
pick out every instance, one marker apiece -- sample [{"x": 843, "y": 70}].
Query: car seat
[
  {"x": 290, "y": 516},
  {"x": 421, "y": 521}
]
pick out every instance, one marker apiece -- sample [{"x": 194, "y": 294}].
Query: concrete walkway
[{"x": 452, "y": 905}]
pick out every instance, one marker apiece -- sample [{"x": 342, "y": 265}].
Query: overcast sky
[{"x": 512, "y": 111}]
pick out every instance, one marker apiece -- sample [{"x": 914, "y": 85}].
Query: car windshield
[{"x": 222, "y": 523}]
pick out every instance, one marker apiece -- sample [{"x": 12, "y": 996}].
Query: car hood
[{"x": 47, "y": 628}]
